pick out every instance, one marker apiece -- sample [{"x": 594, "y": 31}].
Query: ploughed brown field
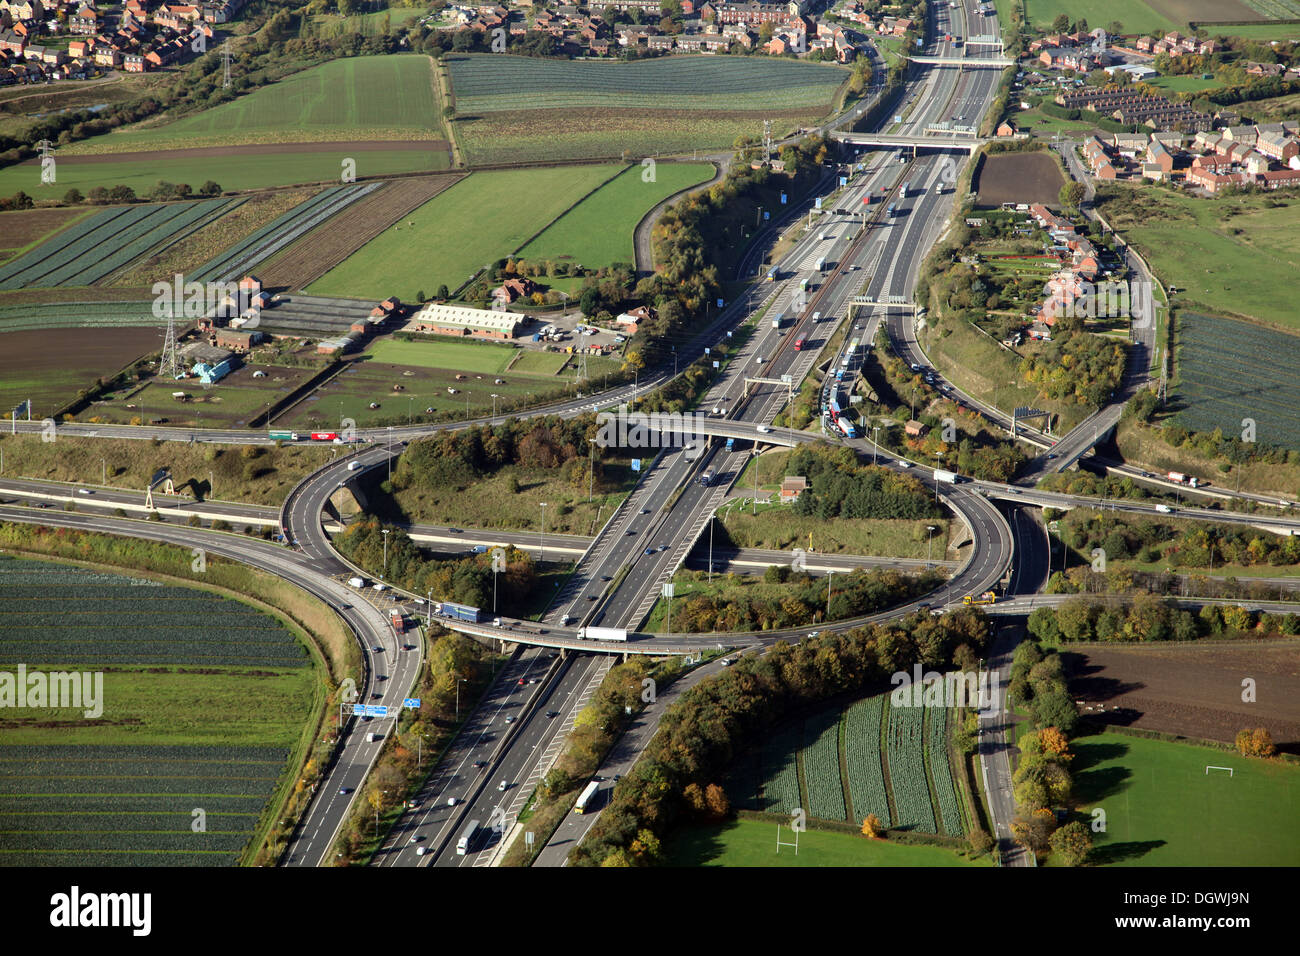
[
  {"x": 1017, "y": 177},
  {"x": 1191, "y": 689},
  {"x": 50, "y": 366},
  {"x": 334, "y": 240},
  {"x": 21, "y": 228}
]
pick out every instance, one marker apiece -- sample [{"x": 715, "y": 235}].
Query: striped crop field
[
  {"x": 523, "y": 109},
  {"x": 76, "y": 315},
  {"x": 131, "y": 806},
  {"x": 821, "y": 765},
  {"x": 936, "y": 751},
  {"x": 487, "y": 83},
  {"x": 199, "y": 704},
  {"x": 100, "y": 245},
  {"x": 350, "y": 99},
  {"x": 1228, "y": 370},
  {"x": 781, "y": 771},
  {"x": 838, "y": 739},
  {"x": 862, "y": 753},
  {"x": 907, "y": 770}
]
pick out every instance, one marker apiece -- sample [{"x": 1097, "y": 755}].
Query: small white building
[{"x": 444, "y": 319}]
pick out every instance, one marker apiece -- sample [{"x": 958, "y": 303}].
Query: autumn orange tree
[
  {"x": 1072, "y": 843},
  {"x": 872, "y": 827},
  {"x": 1255, "y": 743}
]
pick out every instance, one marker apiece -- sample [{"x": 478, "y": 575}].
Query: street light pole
[
  {"x": 875, "y": 439},
  {"x": 929, "y": 538},
  {"x": 711, "y": 519},
  {"x": 830, "y": 575},
  {"x": 494, "y": 408},
  {"x": 459, "y": 681},
  {"x": 390, "y": 452},
  {"x": 542, "y": 538},
  {"x": 385, "y": 531},
  {"x": 591, "y": 474}
]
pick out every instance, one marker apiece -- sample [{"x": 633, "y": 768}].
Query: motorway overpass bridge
[{"x": 967, "y": 144}]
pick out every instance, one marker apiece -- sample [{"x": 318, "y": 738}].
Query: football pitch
[
  {"x": 753, "y": 843},
  {"x": 1163, "y": 809}
]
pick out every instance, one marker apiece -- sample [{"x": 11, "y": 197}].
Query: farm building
[
  {"x": 913, "y": 428},
  {"x": 792, "y": 486},
  {"x": 343, "y": 343},
  {"x": 460, "y": 320},
  {"x": 632, "y": 318},
  {"x": 237, "y": 341},
  {"x": 211, "y": 374},
  {"x": 202, "y": 352}
]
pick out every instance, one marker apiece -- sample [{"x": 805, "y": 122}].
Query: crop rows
[
  {"x": 907, "y": 770},
  {"x": 1230, "y": 370},
  {"x": 31, "y": 758},
  {"x": 76, "y": 315},
  {"x": 862, "y": 753},
  {"x": 269, "y": 240},
  {"x": 138, "y": 803},
  {"x": 123, "y": 841},
  {"x": 70, "y": 243},
  {"x": 139, "y": 240},
  {"x": 127, "y": 617},
  {"x": 781, "y": 770},
  {"x": 936, "y": 746},
  {"x": 821, "y": 766},
  {"x": 110, "y": 242},
  {"x": 493, "y": 83},
  {"x": 123, "y": 821},
  {"x": 115, "y": 858},
  {"x": 233, "y": 784}
]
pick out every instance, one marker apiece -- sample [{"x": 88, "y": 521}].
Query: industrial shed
[{"x": 461, "y": 320}]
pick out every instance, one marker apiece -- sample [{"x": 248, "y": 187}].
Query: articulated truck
[
  {"x": 951, "y": 477},
  {"x": 602, "y": 634}
]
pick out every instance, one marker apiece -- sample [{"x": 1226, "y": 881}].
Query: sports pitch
[
  {"x": 1163, "y": 809},
  {"x": 753, "y": 843}
]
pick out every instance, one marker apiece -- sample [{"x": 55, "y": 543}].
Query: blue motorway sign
[
  {"x": 369, "y": 710},
  {"x": 411, "y": 703},
  {"x": 636, "y": 464},
  {"x": 782, "y": 199},
  {"x": 844, "y": 180},
  {"x": 819, "y": 202}
]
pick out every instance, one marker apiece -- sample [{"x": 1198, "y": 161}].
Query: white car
[
  {"x": 421, "y": 850},
  {"x": 84, "y": 491}
]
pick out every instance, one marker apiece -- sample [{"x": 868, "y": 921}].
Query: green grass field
[
  {"x": 353, "y": 99},
  {"x": 1231, "y": 255},
  {"x": 461, "y": 356},
  {"x": 777, "y": 527},
  {"x": 245, "y": 171},
  {"x": 1184, "y": 84},
  {"x": 480, "y": 219},
  {"x": 753, "y": 843},
  {"x": 1259, "y": 31},
  {"x": 1136, "y": 15},
  {"x": 1162, "y": 809},
  {"x": 598, "y": 231}
]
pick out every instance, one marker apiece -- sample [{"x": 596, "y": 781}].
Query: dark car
[
  {"x": 480, "y": 763},
  {"x": 649, "y": 550},
  {"x": 552, "y": 713},
  {"x": 631, "y": 531},
  {"x": 344, "y": 791}
]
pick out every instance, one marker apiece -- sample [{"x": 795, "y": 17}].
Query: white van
[{"x": 354, "y": 466}]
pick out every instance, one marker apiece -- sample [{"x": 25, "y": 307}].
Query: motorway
[{"x": 620, "y": 573}]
